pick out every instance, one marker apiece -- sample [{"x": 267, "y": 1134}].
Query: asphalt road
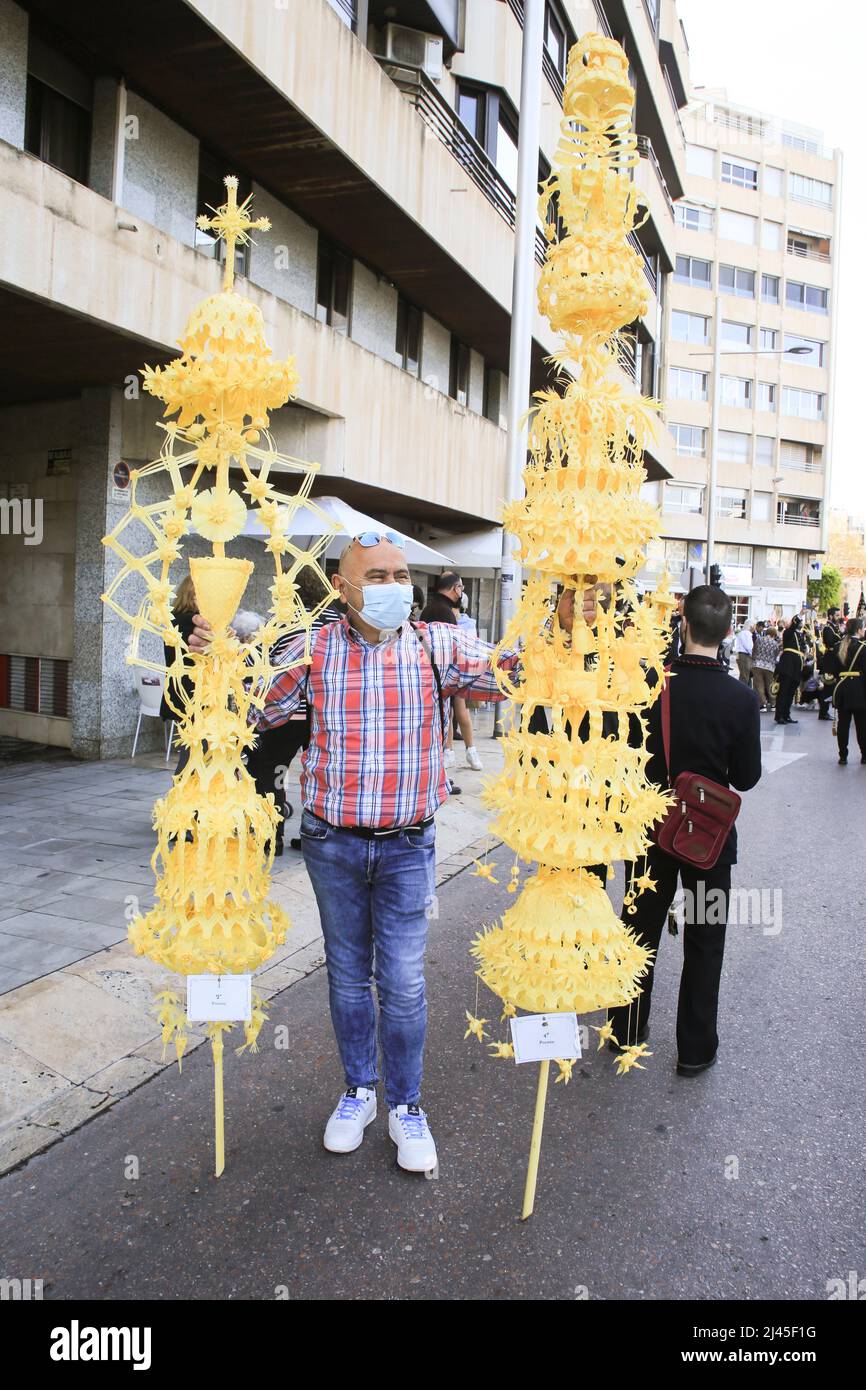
[{"x": 743, "y": 1183}]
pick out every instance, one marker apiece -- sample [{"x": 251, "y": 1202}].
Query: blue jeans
[{"x": 375, "y": 899}]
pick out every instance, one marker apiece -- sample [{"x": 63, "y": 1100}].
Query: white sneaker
[
  {"x": 407, "y": 1126},
  {"x": 450, "y": 757},
  {"x": 473, "y": 759},
  {"x": 355, "y": 1110}
]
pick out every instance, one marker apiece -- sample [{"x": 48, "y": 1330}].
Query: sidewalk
[{"x": 77, "y": 1029}]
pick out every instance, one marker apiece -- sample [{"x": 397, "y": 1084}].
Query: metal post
[
  {"x": 119, "y": 152},
  {"x": 522, "y": 294},
  {"x": 714, "y": 434}
]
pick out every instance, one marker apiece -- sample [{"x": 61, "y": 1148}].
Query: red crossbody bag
[{"x": 694, "y": 830}]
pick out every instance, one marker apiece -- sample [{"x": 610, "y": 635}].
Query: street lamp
[{"x": 717, "y": 355}]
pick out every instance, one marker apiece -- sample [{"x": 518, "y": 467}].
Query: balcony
[
  {"x": 551, "y": 71},
  {"x": 446, "y": 125},
  {"x": 800, "y": 514}
]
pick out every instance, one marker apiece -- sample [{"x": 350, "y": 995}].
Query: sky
[{"x": 804, "y": 61}]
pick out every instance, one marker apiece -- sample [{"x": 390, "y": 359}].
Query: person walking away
[
  {"x": 790, "y": 669},
  {"x": 178, "y": 691},
  {"x": 443, "y": 606},
  {"x": 827, "y": 667},
  {"x": 373, "y": 779},
  {"x": 715, "y": 731},
  {"x": 743, "y": 644},
  {"x": 765, "y": 654},
  {"x": 849, "y": 689}
]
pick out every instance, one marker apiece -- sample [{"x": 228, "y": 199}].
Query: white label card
[
  {"x": 213, "y": 997},
  {"x": 545, "y": 1037}
]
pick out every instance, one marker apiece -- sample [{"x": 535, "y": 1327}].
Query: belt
[{"x": 369, "y": 832}]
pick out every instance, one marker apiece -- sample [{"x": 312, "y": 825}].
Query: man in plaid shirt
[{"x": 373, "y": 778}]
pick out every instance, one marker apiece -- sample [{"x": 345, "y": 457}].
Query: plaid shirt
[{"x": 375, "y": 756}]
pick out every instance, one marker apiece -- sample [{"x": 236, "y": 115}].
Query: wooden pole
[
  {"x": 219, "y": 1123},
  {"x": 535, "y": 1145}
]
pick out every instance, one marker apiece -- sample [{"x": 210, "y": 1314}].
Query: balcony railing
[
  {"x": 549, "y": 68},
  {"x": 802, "y": 466},
  {"x": 807, "y": 254},
  {"x": 646, "y": 151},
  {"x": 649, "y": 269},
  {"x": 443, "y": 120},
  {"x": 783, "y": 519}
]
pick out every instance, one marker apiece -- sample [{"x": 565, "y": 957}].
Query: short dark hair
[
  {"x": 853, "y": 626},
  {"x": 707, "y": 610},
  {"x": 447, "y": 581}
]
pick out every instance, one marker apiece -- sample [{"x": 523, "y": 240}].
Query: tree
[{"x": 827, "y": 590}]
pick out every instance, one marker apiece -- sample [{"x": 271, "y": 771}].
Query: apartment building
[
  {"x": 756, "y": 263},
  {"x": 380, "y": 139}
]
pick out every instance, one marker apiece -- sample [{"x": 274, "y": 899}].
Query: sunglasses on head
[{"x": 369, "y": 538}]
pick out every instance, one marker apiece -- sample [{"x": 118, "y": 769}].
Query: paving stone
[
  {"x": 71, "y": 1025},
  {"x": 21, "y": 1143},
  {"x": 67, "y": 1112},
  {"x": 123, "y": 1075},
  {"x": 25, "y": 1084}
]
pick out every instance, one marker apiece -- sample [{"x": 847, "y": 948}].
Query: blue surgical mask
[{"x": 385, "y": 606}]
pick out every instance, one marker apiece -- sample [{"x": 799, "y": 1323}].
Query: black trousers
[
  {"x": 843, "y": 728},
  {"x": 269, "y": 761},
  {"x": 707, "y": 899},
  {"x": 787, "y": 688}
]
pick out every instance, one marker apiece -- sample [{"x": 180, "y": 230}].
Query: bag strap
[
  {"x": 666, "y": 719},
  {"x": 425, "y": 643}
]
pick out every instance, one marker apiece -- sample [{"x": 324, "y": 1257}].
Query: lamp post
[
  {"x": 522, "y": 291},
  {"x": 717, "y": 355}
]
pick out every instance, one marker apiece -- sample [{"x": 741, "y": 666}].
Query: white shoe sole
[{"x": 332, "y": 1149}]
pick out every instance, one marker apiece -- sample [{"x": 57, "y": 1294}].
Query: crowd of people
[{"x": 804, "y": 664}]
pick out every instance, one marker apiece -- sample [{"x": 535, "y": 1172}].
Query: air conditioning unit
[{"x": 411, "y": 46}]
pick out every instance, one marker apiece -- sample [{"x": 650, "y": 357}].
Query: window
[
  {"x": 36, "y": 684},
  {"x": 736, "y": 556},
  {"x": 781, "y": 564},
  {"x": 808, "y": 405},
  {"x": 692, "y": 218},
  {"x": 700, "y": 161},
  {"x": 685, "y": 385},
  {"x": 407, "y": 345},
  {"x": 689, "y": 441},
  {"x": 690, "y": 270},
  {"x": 554, "y": 40},
  {"x": 773, "y": 178},
  {"x": 733, "y": 279},
  {"x": 764, "y": 449},
  {"x": 736, "y": 226},
  {"x": 739, "y": 172},
  {"x": 766, "y": 395},
  {"x": 805, "y": 458},
  {"x": 730, "y": 502},
  {"x": 333, "y": 282},
  {"x": 762, "y": 506},
  {"x": 815, "y": 355},
  {"x": 458, "y": 377},
  {"x": 736, "y": 335},
  {"x": 770, "y": 289},
  {"x": 771, "y": 236},
  {"x": 689, "y": 328},
  {"x": 58, "y": 109},
  {"x": 683, "y": 497},
  {"x": 798, "y": 511},
  {"x": 489, "y": 118},
  {"x": 733, "y": 446},
  {"x": 667, "y": 555},
  {"x": 505, "y": 154},
  {"x": 650, "y": 492},
  {"x": 768, "y": 339},
  {"x": 212, "y": 194},
  {"x": 804, "y": 190},
  {"x": 809, "y": 297},
  {"x": 736, "y": 391}
]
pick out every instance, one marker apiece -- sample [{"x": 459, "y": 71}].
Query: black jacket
[
  {"x": 791, "y": 659},
  {"x": 850, "y": 693},
  {"x": 438, "y": 610},
  {"x": 180, "y": 691},
  {"x": 715, "y": 731}
]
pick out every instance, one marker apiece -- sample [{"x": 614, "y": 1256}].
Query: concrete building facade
[
  {"x": 756, "y": 263},
  {"x": 380, "y": 139}
]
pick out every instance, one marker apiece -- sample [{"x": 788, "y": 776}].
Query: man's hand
[
  {"x": 565, "y": 608},
  {"x": 201, "y": 634}
]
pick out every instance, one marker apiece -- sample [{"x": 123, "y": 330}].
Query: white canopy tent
[{"x": 307, "y": 523}]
